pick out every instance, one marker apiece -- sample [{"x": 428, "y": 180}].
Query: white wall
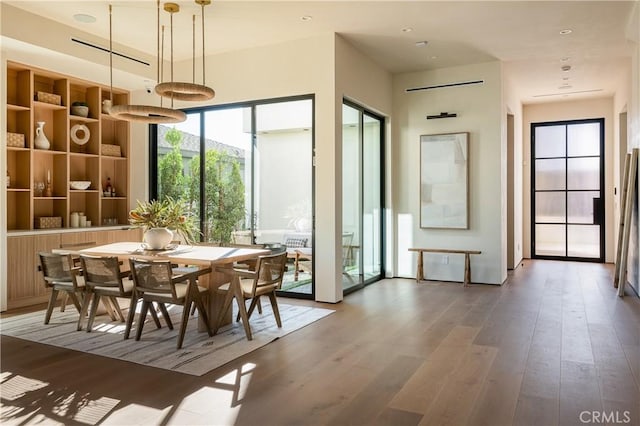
[
  {"x": 481, "y": 113},
  {"x": 571, "y": 110},
  {"x": 514, "y": 107}
]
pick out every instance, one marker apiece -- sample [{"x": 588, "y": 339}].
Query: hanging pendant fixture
[
  {"x": 140, "y": 113},
  {"x": 187, "y": 91}
]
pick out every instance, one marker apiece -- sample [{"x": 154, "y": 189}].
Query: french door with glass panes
[{"x": 567, "y": 198}]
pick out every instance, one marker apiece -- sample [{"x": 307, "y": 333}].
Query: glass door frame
[
  {"x": 362, "y": 111},
  {"x": 602, "y": 214}
]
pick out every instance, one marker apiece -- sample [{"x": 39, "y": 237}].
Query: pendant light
[
  {"x": 187, "y": 91},
  {"x": 141, "y": 113}
]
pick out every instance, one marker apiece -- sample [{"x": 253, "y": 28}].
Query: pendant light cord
[
  {"x": 110, "y": 56},
  {"x": 202, "y": 7}
]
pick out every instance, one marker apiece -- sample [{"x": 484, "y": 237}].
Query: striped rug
[{"x": 157, "y": 347}]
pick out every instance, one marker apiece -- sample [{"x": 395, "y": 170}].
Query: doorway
[{"x": 567, "y": 199}]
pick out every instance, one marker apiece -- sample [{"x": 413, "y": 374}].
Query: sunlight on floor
[
  {"x": 219, "y": 403},
  {"x": 36, "y": 402}
]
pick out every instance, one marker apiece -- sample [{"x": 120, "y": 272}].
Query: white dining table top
[{"x": 186, "y": 254}]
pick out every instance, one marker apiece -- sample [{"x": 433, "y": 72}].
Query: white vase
[
  {"x": 157, "y": 238},
  {"x": 41, "y": 141}
]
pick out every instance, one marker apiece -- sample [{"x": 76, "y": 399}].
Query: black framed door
[{"x": 567, "y": 198}]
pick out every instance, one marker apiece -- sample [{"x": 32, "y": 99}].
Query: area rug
[{"x": 157, "y": 347}]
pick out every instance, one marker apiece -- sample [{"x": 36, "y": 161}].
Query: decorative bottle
[{"x": 108, "y": 188}]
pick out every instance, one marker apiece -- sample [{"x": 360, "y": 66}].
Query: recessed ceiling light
[
  {"x": 565, "y": 86},
  {"x": 434, "y": 57},
  {"x": 566, "y": 68},
  {"x": 565, "y": 59},
  {"x": 566, "y": 31},
  {"x": 407, "y": 30},
  {"x": 84, "y": 18},
  {"x": 306, "y": 17},
  {"x": 421, "y": 43},
  {"x": 565, "y": 78}
]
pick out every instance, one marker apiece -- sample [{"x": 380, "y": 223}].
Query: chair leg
[
  {"x": 165, "y": 314},
  {"x": 185, "y": 318},
  {"x": 63, "y": 303},
  {"x": 243, "y": 309},
  {"x": 106, "y": 301},
  {"x": 94, "y": 309},
  {"x": 131, "y": 314},
  {"x": 85, "y": 306},
  {"x": 274, "y": 306},
  {"x": 52, "y": 303},
  {"x": 142, "y": 317},
  {"x": 116, "y": 305},
  {"x": 254, "y": 302},
  {"x": 76, "y": 302}
]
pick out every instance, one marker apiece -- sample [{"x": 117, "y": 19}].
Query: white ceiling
[{"x": 523, "y": 34}]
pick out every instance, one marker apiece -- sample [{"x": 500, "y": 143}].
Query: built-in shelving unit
[{"x": 65, "y": 160}]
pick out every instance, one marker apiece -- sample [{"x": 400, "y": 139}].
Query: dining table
[{"x": 217, "y": 258}]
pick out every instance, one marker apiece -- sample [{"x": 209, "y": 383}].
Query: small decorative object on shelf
[
  {"x": 38, "y": 188},
  {"x": 8, "y": 180},
  {"x": 47, "y": 222},
  {"x": 110, "y": 150},
  {"x": 81, "y": 109},
  {"x": 48, "y": 191},
  {"x": 15, "y": 140},
  {"x": 80, "y": 134},
  {"x": 74, "y": 220},
  {"x": 107, "y": 188},
  {"x": 49, "y": 98},
  {"x": 41, "y": 141}
]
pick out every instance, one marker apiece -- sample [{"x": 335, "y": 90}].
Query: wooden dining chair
[
  {"x": 156, "y": 281},
  {"x": 60, "y": 275},
  {"x": 247, "y": 284},
  {"x": 103, "y": 278}
]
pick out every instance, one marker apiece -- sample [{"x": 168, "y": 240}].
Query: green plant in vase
[{"x": 168, "y": 214}]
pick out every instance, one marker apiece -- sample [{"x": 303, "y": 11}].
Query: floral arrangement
[{"x": 165, "y": 213}]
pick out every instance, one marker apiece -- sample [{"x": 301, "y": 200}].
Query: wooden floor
[{"x": 554, "y": 346}]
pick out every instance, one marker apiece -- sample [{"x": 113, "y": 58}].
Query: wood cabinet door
[{"x": 24, "y": 282}]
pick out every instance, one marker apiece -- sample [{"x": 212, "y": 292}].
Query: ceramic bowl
[
  {"x": 79, "y": 184},
  {"x": 80, "y": 110}
]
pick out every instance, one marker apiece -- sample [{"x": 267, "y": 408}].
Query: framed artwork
[{"x": 444, "y": 185}]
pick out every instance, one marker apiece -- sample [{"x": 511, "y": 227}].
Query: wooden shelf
[
  {"x": 66, "y": 161},
  {"x": 45, "y": 105},
  {"x": 83, "y": 119},
  {"x": 12, "y": 107}
]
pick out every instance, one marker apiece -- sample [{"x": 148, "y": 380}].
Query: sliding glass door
[
  {"x": 362, "y": 195},
  {"x": 247, "y": 174}
]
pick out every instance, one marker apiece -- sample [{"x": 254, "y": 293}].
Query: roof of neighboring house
[{"x": 191, "y": 144}]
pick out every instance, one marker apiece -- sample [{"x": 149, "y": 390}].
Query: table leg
[
  {"x": 467, "y": 270},
  {"x": 212, "y": 281},
  {"x": 420, "y": 269}
]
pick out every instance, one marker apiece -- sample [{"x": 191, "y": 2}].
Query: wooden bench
[{"x": 467, "y": 262}]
